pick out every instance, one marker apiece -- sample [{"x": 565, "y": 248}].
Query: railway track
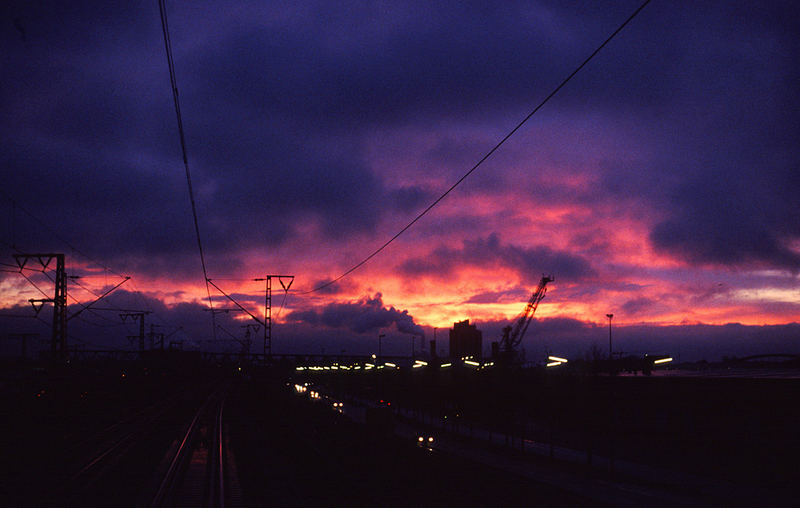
[
  {"x": 198, "y": 470},
  {"x": 170, "y": 453},
  {"x": 91, "y": 464}
]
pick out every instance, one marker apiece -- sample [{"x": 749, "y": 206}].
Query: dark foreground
[
  {"x": 296, "y": 453},
  {"x": 188, "y": 434},
  {"x": 105, "y": 434}
]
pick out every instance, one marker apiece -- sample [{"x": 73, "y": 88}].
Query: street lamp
[{"x": 609, "y": 316}]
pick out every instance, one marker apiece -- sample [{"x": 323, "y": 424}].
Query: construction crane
[{"x": 512, "y": 335}]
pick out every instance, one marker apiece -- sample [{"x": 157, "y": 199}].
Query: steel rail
[
  {"x": 207, "y": 419},
  {"x": 170, "y": 476},
  {"x": 139, "y": 421},
  {"x": 221, "y": 458}
]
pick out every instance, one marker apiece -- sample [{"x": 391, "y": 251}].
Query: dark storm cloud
[
  {"x": 276, "y": 100},
  {"x": 187, "y": 321},
  {"x": 749, "y": 217},
  {"x": 530, "y": 263},
  {"x": 368, "y": 314},
  {"x": 356, "y": 63},
  {"x": 575, "y": 339},
  {"x": 90, "y": 139},
  {"x": 411, "y": 198},
  {"x": 636, "y": 305},
  {"x": 509, "y": 295},
  {"x": 102, "y": 327},
  {"x": 725, "y": 166}
]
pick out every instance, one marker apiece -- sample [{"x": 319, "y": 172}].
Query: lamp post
[{"x": 612, "y": 407}]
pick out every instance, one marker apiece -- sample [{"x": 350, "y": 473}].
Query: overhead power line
[
  {"x": 16, "y": 269},
  {"x": 56, "y": 234},
  {"x": 174, "y": 84},
  {"x": 485, "y": 157}
]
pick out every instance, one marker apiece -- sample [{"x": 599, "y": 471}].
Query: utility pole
[
  {"x": 250, "y": 329},
  {"x": 156, "y": 338},
  {"x": 58, "y": 341},
  {"x": 268, "y": 309},
  {"x": 140, "y": 317}
]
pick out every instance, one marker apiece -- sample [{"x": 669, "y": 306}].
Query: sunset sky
[{"x": 661, "y": 184}]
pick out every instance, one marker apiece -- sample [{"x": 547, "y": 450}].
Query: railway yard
[
  {"x": 139, "y": 436},
  {"x": 149, "y": 434}
]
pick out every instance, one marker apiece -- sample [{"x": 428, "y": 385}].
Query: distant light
[
  {"x": 296, "y": 368},
  {"x": 334, "y": 367},
  {"x": 416, "y": 366},
  {"x": 470, "y": 362},
  {"x": 553, "y": 364},
  {"x": 240, "y": 369},
  {"x": 388, "y": 364},
  {"x": 373, "y": 356},
  {"x": 421, "y": 362},
  {"x": 444, "y": 365},
  {"x": 369, "y": 365},
  {"x": 663, "y": 360},
  {"x": 357, "y": 367},
  {"x": 420, "y": 439},
  {"x": 326, "y": 368},
  {"x": 557, "y": 359}
]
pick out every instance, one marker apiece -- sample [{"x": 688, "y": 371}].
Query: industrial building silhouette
[{"x": 465, "y": 340}]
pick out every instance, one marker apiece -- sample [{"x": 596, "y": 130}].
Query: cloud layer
[{"x": 665, "y": 169}]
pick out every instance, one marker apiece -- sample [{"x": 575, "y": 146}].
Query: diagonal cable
[
  {"x": 174, "y": 84},
  {"x": 485, "y": 157}
]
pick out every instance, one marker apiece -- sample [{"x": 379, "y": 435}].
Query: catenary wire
[
  {"x": 484, "y": 158},
  {"x": 56, "y": 235},
  {"x": 74, "y": 282},
  {"x": 174, "y": 84},
  {"x": 75, "y": 250}
]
